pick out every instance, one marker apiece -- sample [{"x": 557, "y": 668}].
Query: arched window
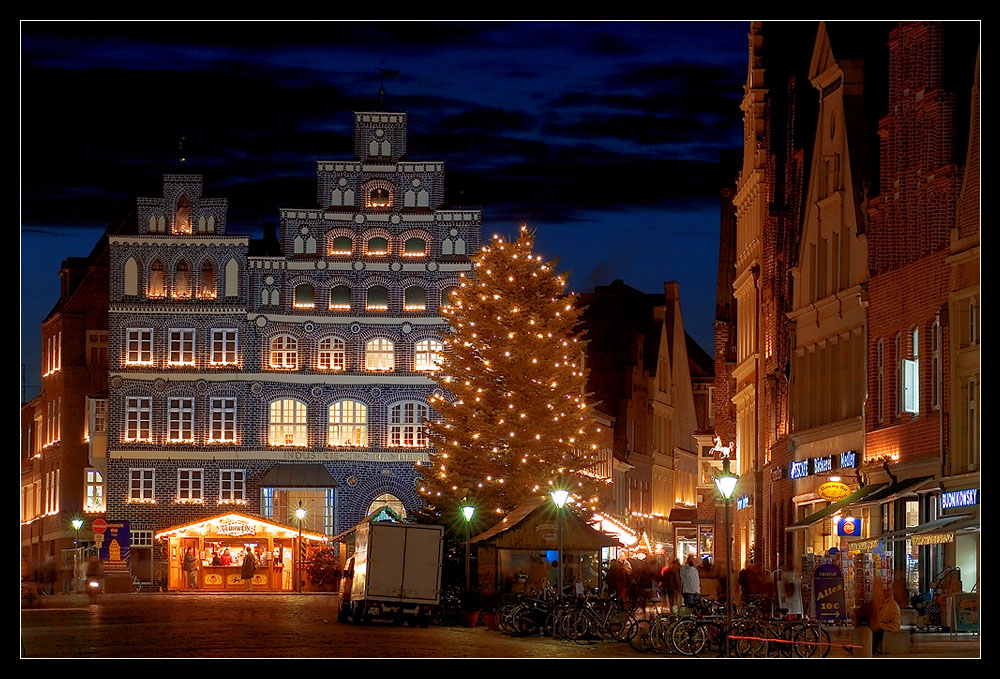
[
  {"x": 406, "y": 425},
  {"x": 427, "y": 355},
  {"x": 305, "y": 296},
  {"x": 387, "y": 500},
  {"x": 340, "y": 297},
  {"x": 233, "y": 279},
  {"x": 447, "y": 298},
  {"x": 131, "y": 277},
  {"x": 414, "y": 298},
  {"x": 379, "y": 197},
  {"x": 206, "y": 284},
  {"x": 182, "y": 281},
  {"x": 284, "y": 353},
  {"x": 415, "y": 247},
  {"x": 378, "y": 298},
  {"x": 287, "y": 423},
  {"x": 182, "y": 218},
  {"x": 341, "y": 246},
  {"x": 379, "y": 354},
  {"x": 332, "y": 354},
  {"x": 157, "y": 281},
  {"x": 377, "y": 247},
  {"x": 348, "y": 424}
]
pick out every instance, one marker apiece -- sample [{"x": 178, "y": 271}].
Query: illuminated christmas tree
[{"x": 517, "y": 422}]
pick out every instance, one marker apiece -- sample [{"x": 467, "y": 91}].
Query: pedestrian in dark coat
[{"x": 249, "y": 565}]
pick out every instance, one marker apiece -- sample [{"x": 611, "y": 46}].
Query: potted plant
[
  {"x": 323, "y": 568},
  {"x": 470, "y": 607}
]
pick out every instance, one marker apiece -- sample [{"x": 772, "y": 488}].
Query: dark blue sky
[{"x": 604, "y": 136}]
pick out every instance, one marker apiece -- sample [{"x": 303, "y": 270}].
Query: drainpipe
[{"x": 758, "y": 482}]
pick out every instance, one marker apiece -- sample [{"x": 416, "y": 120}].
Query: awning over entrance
[
  {"x": 298, "y": 476},
  {"x": 683, "y": 515},
  {"x": 929, "y": 533},
  {"x": 898, "y": 489},
  {"x": 829, "y": 510},
  {"x": 607, "y": 524},
  {"x": 238, "y": 525}
]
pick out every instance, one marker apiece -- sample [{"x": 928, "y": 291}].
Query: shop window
[
  {"x": 348, "y": 424},
  {"x": 340, "y": 298},
  {"x": 287, "y": 424},
  {"x": 332, "y": 354},
  {"x": 379, "y": 355},
  {"x": 223, "y": 420},
  {"x": 377, "y": 298},
  {"x": 284, "y": 353},
  {"x": 406, "y": 425},
  {"x": 279, "y": 504},
  {"x": 427, "y": 354}
]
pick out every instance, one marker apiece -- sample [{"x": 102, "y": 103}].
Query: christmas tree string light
[{"x": 497, "y": 439}]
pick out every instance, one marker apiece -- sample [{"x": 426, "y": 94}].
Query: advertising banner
[
  {"x": 789, "y": 589},
  {"x": 828, "y": 593},
  {"x": 966, "y": 612},
  {"x": 116, "y": 547}
]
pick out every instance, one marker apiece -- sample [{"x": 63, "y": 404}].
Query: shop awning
[
  {"x": 929, "y": 533},
  {"x": 298, "y": 476},
  {"x": 237, "y": 524},
  {"x": 829, "y": 510},
  {"x": 898, "y": 489},
  {"x": 683, "y": 515}
]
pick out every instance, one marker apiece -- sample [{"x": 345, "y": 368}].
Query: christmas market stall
[
  {"x": 521, "y": 552},
  {"x": 220, "y": 545}
]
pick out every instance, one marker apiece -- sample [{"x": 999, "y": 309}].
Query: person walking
[
  {"x": 889, "y": 619},
  {"x": 670, "y": 578},
  {"x": 690, "y": 582},
  {"x": 248, "y": 568},
  {"x": 188, "y": 567}
]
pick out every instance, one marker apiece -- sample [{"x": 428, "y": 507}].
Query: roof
[
  {"x": 519, "y": 516},
  {"x": 267, "y": 525},
  {"x": 292, "y": 475}
]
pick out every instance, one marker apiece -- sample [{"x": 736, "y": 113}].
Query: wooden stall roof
[
  {"x": 203, "y": 526},
  {"x": 532, "y": 524}
]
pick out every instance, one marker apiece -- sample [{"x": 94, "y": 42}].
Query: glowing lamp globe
[
  {"x": 468, "y": 511},
  {"x": 77, "y": 524},
  {"x": 560, "y": 497},
  {"x": 300, "y": 513},
  {"x": 726, "y": 481}
]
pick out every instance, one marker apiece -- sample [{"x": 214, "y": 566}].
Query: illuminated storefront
[{"x": 219, "y": 545}]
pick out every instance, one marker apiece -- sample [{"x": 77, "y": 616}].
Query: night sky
[{"x": 604, "y": 136}]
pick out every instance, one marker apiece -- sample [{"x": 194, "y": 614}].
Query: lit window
[
  {"x": 340, "y": 297},
  {"x": 305, "y": 297},
  {"x": 342, "y": 246},
  {"x": 348, "y": 424},
  {"x": 224, "y": 346},
  {"x": 138, "y": 419},
  {"x": 380, "y": 197},
  {"x": 379, "y": 355},
  {"x": 223, "y": 420},
  {"x": 157, "y": 281},
  {"x": 189, "y": 486},
  {"x": 406, "y": 425},
  {"x": 936, "y": 364},
  {"x": 377, "y": 299},
  {"x": 414, "y": 298},
  {"x": 139, "y": 346},
  {"x": 911, "y": 378},
  {"x": 427, "y": 354},
  {"x": 206, "y": 284},
  {"x": 332, "y": 354},
  {"x": 387, "y": 500},
  {"x": 182, "y": 282},
  {"x": 180, "y": 420},
  {"x": 288, "y": 423},
  {"x": 141, "y": 485},
  {"x": 415, "y": 247},
  {"x": 100, "y": 413},
  {"x": 284, "y": 353},
  {"x": 377, "y": 247},
  {"x": 232, "y": 486},
  {"x": 182, "y": 218},
  {"x": 94, "y": 488},
  {"x": 181, "y": 346}
]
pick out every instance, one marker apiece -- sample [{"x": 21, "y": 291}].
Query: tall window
[
  {"x": 139, "y": 346},
  {"x": 189, "y": 485},
  {"x": 224, "y": 346},
  {"x": 971, "y": 423},
  {"x": 305, "y": 297},
  {"x": 379, "y": 354},
  {"x": 223, "y": 420},
  {"x": 181, "y": 346},
  {"x": 899, "y": 373},
  {"x": 180, "y": 420},
  {"x": 284, "y": 353},
  {"x": 157, "y": 281},
  {"x": 348, "y": 424},
  {"x": 232, "y": 486},
  {"x": 378, "y": 298},
  {"x": 911, "y": 377},
  {"x": 880, "y": 385},
  {"x": 97, "y": 348},
  {"x": 94, "y": 489},
  {"x": 140, "y": 485},
  {"x": 973, "y": 335},
  {"x": 288, "y": 423},
  {"x": 936, "y": 364},
  {"x": 182, "y": 281},
  {"x": 206, "y": 283},
  {"x": 332, "y": 354},
  {"x": 406, "y": 425},
  {"x": 99, "y": 416},
  {"x": 138, "y": 419},
  {"x": 414, "y": 298},
  {"x": 340, "y": 297},
  {"x": 427, "y": 354},
  {"x": 52, "y": 483}
]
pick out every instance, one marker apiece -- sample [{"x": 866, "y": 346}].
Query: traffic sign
[{"x": 99, "y": 525}]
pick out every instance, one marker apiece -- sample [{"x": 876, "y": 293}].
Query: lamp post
[
  {"x": 559, "y": 497},
  {"x": 77, "y": 525},
  {"x": 467, "y": 512},
  {"x": 300, "y": 513},
  {"x": 726, "y": 483}
]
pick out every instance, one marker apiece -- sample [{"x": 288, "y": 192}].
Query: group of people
[
  {"x": 638, "y": 581},
  {"x": 249, "y": 562}
]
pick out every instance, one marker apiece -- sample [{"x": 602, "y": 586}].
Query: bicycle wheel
[
  {"x": 659, "y": 634},
  {"x": 807, "y": 641},
  {"x": 638, "y": 635},
  {"x": 684, "y": 638},
  {"x": 574, "y": 625},
  {"x": 618, "y": 624}
]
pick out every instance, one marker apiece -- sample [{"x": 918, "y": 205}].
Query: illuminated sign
[
  {"x": 960, "y": 498},
  {"x": 236, "y": 527},
  {"x": 833, "y": 491},
  {"x": 848, "y": 527},
  {"x": 743, "y": 502},
  {"x": 849, "y": 459},
  {"x": 822, "y": 464},
  {"x": 798, "y": 470}
]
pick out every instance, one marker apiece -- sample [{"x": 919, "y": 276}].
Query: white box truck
[{"x": 395, "y": 573}]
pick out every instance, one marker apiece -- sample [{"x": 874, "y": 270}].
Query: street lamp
[
  {"x": 300, "y": 513},
  {"x": 726, "y": 483},
  {"x": 77, "y": 525},
  {"x": 467, "y": 512},
  {"x": 560, "y": 496}
]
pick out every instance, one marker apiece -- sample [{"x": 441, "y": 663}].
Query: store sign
[
  {"x": 848, "y": 527},
  {"x": 849, "y": 459},
  {"x": 743, "y": 502},
  {"x": 960, "y": 498},
  {"x": 828, "y": 586},
  {"x": 822, "y": 465},
  {"x": 549, "y": 531},
  {"x": 116, "y": 547},
  {"x": 833, "y": 491},
  {"x": 236, "y": 527},
  {"x": 798, "y": 470},
  {"x": 777, "y": 473},
  {"x": 932, "y": 539}
]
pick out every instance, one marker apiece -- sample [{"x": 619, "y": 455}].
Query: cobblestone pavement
[{"x": 303, "y": 626}]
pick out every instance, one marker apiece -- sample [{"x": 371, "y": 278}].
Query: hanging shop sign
[
  {"x": 777, "y": 473},
  {"x": 960, "y": 498},
  {"x": 828, "y": 588},
  {"x": 832, "y": 491},
  {"x": 848, "y": 527}
]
